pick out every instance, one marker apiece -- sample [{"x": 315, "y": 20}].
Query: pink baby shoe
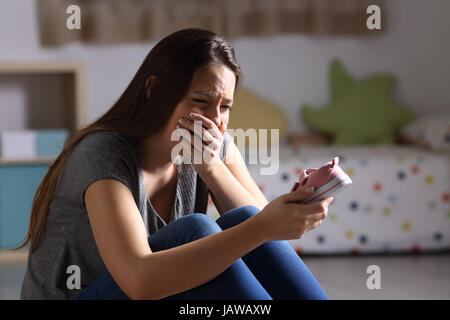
[{"x": 327, "y": 181}]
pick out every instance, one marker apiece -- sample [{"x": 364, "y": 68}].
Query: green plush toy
[{"x": 362, "y": 111}]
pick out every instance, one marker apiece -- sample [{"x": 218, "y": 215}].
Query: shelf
[
  {"x": 54, "y": 88},
  {"x": 13, "y": 257},
  {"x": 41, "y": 96},
  {"x": 41, "y": 66},
  {"x": 43, "y": 160}
]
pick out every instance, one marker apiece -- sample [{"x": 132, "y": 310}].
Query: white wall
[{"x": 290, "y": 70}]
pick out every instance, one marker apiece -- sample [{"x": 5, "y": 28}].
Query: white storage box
[{"x": 18, "y": 144}]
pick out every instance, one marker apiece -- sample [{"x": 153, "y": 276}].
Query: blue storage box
[
  {"x": 18, "y": 185},
  {"x": 50, "y": 142}
]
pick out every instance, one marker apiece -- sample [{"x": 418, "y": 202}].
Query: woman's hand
[
  {"x": 282, "y": 219},
  {"x": 205, "y": 142}
]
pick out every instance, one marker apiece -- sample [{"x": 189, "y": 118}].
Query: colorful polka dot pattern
[
  {"x": 433, "y": 130},
  {"x": 399, "y": 200}
]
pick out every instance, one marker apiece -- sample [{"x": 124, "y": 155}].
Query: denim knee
[
  {"x": 199, "y": 225},
  {"x": 246, "y": 212},
  {"x": 236, "y": 216}
]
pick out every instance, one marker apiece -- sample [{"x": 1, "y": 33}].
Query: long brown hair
[{"x": 173, "y": 61}]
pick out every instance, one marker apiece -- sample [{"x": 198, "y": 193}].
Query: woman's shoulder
[
  {"x": 105, "y": 139},
  {"x": 103, "y": 149},
  {"x": 106, "y": 144},
  {"x": 101, "y": 155}
]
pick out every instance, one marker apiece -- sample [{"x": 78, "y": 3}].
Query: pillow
[
  {"x": 432, "y": 132},
  {"x": 253, "y": 111},
  {"x": 362, "y": 111}
]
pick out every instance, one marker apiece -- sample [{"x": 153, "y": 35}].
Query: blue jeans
[{"x": 271, "y": 271}]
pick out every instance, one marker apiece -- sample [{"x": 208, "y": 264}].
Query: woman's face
[{"x": 211, "y": 95}]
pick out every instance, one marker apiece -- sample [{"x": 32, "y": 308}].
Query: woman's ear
[{"x": 149, "y": 84}]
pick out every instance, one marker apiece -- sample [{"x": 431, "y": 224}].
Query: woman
[{"x": 116, "y": 218}]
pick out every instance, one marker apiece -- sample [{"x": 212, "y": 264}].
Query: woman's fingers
[
  {"x": 187, "y": 145},
  {"x": 207, "y": 123},
  {"x": 199, "y": 149},
  {"x": 317, "y": 217},
  {"x": 317, "y": 207},
  {"x": 297, "y": 195},
  {"x": 311, "y": 215},
  {"x": 202, "y": 145},
  {"x": 314, "y": 225},
  {"x": 197, "y": 129}
]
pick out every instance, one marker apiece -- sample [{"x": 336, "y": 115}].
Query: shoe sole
[{"x": 329, "y": 189}]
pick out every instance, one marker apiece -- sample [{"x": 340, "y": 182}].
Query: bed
[{"x": 399, "y": 200}]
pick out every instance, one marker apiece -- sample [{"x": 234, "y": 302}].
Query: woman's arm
[
  {"x": 122, "y": 241},
  {"x": 236, "y": 164},
  {"x": 231, "y": 184}
]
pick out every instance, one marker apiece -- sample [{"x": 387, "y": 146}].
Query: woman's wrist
[
  {"x": 256, "y": 227},
  {"x": 211, "y": 172}
]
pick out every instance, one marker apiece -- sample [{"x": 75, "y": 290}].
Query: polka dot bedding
[{"x": 399, "y": 200}]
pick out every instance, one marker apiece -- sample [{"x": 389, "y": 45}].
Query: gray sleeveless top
[{"x": 68, "y": 238}]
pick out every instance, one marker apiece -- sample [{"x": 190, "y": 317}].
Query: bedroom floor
[
  {"x": 402, "y": 277},
  {"x": 343, "y": 277}
]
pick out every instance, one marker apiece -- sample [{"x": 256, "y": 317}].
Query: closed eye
[
  {"x": 206, "y": 102},
  {"x": 199, "y": 100}
]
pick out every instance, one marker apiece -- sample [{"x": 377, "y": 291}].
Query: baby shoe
[{"x": 327, "y": 181}]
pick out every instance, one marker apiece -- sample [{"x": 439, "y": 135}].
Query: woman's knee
[
  {"x": 236, "y": 216},
  {"x": 183, "y": 230},
  {"x": 199, "y": 225},
  {"x": 245, "y": 212}
]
